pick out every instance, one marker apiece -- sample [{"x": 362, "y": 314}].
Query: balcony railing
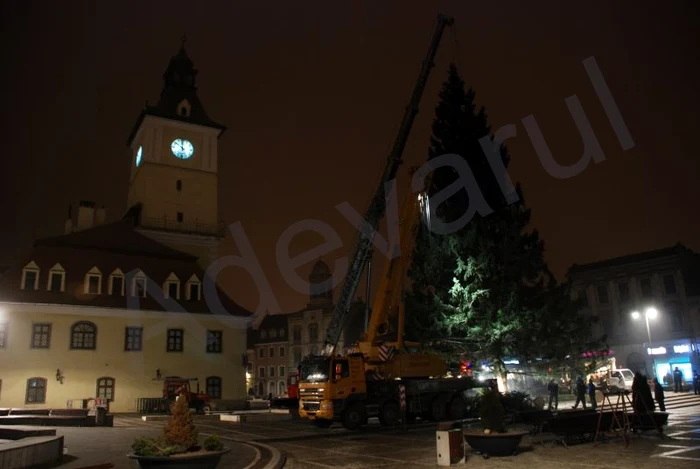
[{"x": 193, "y": 227}]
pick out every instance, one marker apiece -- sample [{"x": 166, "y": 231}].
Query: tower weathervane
[{"x": 184, "y": 39}]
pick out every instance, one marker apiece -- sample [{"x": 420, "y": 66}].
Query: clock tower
[{"x": 173, "y": 154}]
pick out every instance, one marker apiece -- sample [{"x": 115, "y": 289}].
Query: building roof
[
  {"x": 108, "y": 248},
  {"x": 120, "y": 238},
  {"x": 678, "y": 249},
  {"x": 274, "y": 322},
  {"x": 179, "y": 83}
]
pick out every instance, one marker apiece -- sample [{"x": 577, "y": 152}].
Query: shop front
[{"x": 668, "y": 356}]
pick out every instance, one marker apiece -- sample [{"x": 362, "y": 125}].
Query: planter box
[
  {"x": 203, "y": 460},
  {"x": 494, "y": 444}
]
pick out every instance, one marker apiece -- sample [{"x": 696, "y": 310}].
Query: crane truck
[{"x": 369, "y": 379}]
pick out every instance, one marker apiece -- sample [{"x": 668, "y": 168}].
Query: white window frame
[
  {"x": 172, "y": 280},
  {"x": 31, "y": 267},
  {"x": 116, "y": 274},
  {"x": 57, "y": 270},
  {"x": 94, "y": 272},
  {"x": 194, "y": 280},
  {"x": 139, "y": 277},
  {"x": 281, "y": 371}
]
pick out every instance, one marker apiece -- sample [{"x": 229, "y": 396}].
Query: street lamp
[{"x": 650, "y": 313}]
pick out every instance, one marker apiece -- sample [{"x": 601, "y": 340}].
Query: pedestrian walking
[
  {"x": 659, "y": 394},
  {"x": 580, "y": 392},
  {"x": 591, "y": 393},
  {"x": 677, "y": 380},
  {"x": 553, "y": 388}
]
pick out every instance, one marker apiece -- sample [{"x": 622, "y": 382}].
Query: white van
[{"x": 621, "y": 378}]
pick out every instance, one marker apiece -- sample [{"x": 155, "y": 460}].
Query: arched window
[
  {"x": 214, "y": 387},
  {"x": 83, "y": 336},
  {"x": 261, "y": 388},
  {"x": 105, "y": 388},
  {"x": 36, "y": 391},
  {"x": 271, "y": 388},
  {"x": 283, "y": 388}
]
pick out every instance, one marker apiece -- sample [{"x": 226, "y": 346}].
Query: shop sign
[
  {"x": 684, "y": 348},
  {"x": 656, "y": 351}
]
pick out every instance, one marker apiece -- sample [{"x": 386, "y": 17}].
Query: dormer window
[
  {"x": 172, "y": 287},
  {"x": 93, "y": 282},
  {"x": 30, "y": 277},
  {"x": 184, "y": 108},
  {"x": 138, "y": 285},
  {"x": 194, "y": 289},
  {"x": 57, "y": 279},
  {"x": 116, "y": 283}
]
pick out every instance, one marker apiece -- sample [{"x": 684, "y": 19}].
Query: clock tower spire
[{"x": 173, "y": 187}]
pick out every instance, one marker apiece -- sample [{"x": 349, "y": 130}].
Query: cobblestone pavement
[
  {"x": 376, "y": 447},
  {"x": 87, "y": 447}
]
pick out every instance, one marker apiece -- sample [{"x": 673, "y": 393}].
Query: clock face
[
  {"x": 182, "y": 149},
  {"x": 139, "y": 156}
]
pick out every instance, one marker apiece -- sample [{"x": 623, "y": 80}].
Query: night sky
[{"x": 313, "y": 93}]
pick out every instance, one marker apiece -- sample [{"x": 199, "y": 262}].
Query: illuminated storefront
[{"x": 667, "y": 356}]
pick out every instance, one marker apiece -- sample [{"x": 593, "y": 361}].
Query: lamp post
[{"x": 650, "y": 313}]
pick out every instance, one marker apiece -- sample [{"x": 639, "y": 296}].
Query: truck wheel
[
  {"x": 354, "y": 417},
  {"x": 390, "y": 414},
  {"x": 457, "y": 408},
  {"x": 322, "y": 423}
]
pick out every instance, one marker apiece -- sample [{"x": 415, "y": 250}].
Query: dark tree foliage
[{"x": 486, "y": 289}]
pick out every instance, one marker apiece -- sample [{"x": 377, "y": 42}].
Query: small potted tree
[
  {"x": 495, "y": 439},
  {"x": 179, "y": 446}
]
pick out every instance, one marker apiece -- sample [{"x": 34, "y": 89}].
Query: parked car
[{"x": 621, "y": 378}]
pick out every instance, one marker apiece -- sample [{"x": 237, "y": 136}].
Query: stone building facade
[{"x": 667, "y": 280}]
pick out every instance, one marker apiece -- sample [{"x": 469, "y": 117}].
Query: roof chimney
[
  {"x": 86, "y": 215},
  {"x": 69, "y": 221}
]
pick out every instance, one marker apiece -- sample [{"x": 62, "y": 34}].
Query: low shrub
[{"x": 213, "y": 443}]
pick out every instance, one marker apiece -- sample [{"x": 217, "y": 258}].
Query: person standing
[
  {"x": 553, "y": 388},
  {"x": 659, "y": 394},
  {"x": 696, "y": 383},
  {"x": 677, "y": 380},
  {"x": 580, "y": 392},
  {"x": 591, "y": 393}
]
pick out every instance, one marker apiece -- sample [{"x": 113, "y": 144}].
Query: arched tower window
[{"x": 184, "y": 108}]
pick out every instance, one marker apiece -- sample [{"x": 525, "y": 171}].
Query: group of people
[
  {"x": 640, "y": 388},
  {"x": 581, "y": 389},
  {"x": 677, "y": 379}
]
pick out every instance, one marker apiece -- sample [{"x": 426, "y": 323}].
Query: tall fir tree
[{"x": 486, "y": 289}]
